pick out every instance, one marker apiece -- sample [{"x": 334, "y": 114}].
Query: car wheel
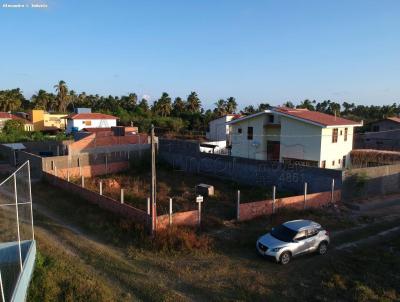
[
  {"x": 285, "y": 258},
  {"x": 322, "y": 248}
]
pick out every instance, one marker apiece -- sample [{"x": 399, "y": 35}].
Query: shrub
[
  {"x": 175, "y": 239},
  {"x": 13, "y": 127}
]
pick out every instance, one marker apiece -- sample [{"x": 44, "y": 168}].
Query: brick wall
[
  {"x": 265, "y": 207},
  {"x": 95, "y": 140},
  {"x": 93, "y": 170},
  {"x": 188, "y": 218}
]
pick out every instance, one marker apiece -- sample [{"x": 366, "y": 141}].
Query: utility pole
[{"x": 153, "y": 182}]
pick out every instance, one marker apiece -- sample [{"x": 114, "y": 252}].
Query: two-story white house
[
  {"x": 78, "y": 121},
  {"x": 218, "y": 129},
  {"x": 294, "y": 136}
]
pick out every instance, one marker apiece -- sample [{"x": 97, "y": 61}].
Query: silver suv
[{"x": 293, "y": 238}]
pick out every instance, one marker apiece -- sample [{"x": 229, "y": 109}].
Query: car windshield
[{"x": 283, "y": 233}]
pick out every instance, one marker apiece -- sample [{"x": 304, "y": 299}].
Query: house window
[
  {"x": 333, "y": 163},
  {"x": 271, "y": 118},
  {"x": 344, "y": 161},
  {"x": 334, "y": 135},
  {"x": 88, "y": 123},
  {"x": 240, "y": 130},
  {"x": 341, "y": 132},
  {"x": 345, "y": 134},
  {"x": 323, "y": 164},
  {"x": 249, "y": 133},
  {"x": 339, "y": 161}
]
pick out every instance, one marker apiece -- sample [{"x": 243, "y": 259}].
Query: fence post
[
  {"x": 199, "y": 218},
  {"x": 333, "y": 190},
  {"x": 55, "y": 171},
  {"x": 83, "y": 181},
  {"x": 273, "y": 199},
  {"x": 170, "y": 211},
  {"x": 305, "y": 195},
  {"x": 2, "y": 288},
  {"x": 68, "y": 174},
  {"x": 30, "y": 199},
  {"x": 238, "y": 205},
  {"x": 106, "y": 163},
  {"x": 122, "y": 195},
  {"x": 148, "y": 205},
  {"x": 17, "y": 215},
  {"x": 101, "y": 187}
]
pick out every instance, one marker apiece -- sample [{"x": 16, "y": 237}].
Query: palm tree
[
  {"x": 178, "y": 106},
  {"x": 307, "y": 104},
  {"x": 220, "y": 107},
  {"x": 62, "y": 96},
  {"x": 231, "y": 105},
  {"x": 193, "y": 102},
  {"x": 163, "y": 106}
]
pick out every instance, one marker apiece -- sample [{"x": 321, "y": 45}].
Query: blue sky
[{"x": 256, "y": 51}]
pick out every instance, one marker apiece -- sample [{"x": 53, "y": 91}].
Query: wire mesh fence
[{"x": 16, "y": 228}]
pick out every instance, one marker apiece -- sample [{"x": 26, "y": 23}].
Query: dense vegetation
[{"x": 176, "y": 115}]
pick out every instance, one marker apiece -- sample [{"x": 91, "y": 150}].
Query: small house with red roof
[
  {"x": 294, "y": 136},
  {"x": 85, "y": 120},
  {"x": 383, "y": 134},
  {"x": 5, "y": 116}
]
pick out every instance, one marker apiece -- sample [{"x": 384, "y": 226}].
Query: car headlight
[{"x": 277, "y": 249}]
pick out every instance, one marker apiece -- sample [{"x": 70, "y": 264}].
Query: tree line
[{"x": 177, "y": 114}]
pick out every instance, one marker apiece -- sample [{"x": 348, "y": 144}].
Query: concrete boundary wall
[
  {"x": 186, "y": 155},
  {"x": 363, "y": 183},
  {"x": 255, "y": 209}
]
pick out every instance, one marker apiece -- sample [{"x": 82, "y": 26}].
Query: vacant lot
[
  {"x": 179, "y": 186},
  {"x": 87, "y": 254}
]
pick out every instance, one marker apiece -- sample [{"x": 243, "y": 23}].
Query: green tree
[
  {"x": 62, "y": 96},
  {"x": 163, "y": 105},
  {"x": 129, "y": 102},
  {"x": 249, "y": 110},
  {"x": 178, "y": 107},
  {"x": 11, "y": 100},
  {"x": 13, "y": 127},
  {"x": 288, "y": 104},
  {"x": 143, "y": 106},
  {"x": 231, "y": 105},
  {"x": 220, "y": 107},
  {"x": 193, "y": 102},
  {"x": 263, "y": 106},
  {"x": 307, "y": 104}
]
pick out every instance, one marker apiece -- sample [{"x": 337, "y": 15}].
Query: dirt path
[{"x": 369, "y": 239}]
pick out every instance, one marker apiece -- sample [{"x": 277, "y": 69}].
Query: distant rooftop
[
  {"x": 91, "y": 116},
  {"x": 316, "y": 117}
]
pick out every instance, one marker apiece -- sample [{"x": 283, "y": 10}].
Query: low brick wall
[
  {"x": 255, "y": 209},
  {"x": 93, "y": 170},
  {"x": 188, "y": 218},
  {"x": 102, "y": 201}
]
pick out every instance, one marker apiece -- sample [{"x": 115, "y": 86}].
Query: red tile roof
[
  {"x": 394, "y": 119},
  {"x": 91, "y": 116},
  {"x": 6, "y": 115},
  {"x": 315, "y": 117}
]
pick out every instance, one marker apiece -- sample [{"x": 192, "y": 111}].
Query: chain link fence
[{"x": 16, "y": 229}]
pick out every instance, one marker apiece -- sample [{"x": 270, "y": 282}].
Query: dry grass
[
  {"x": 226, "y": 268},
  {"x": 179, "y": 186}
]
